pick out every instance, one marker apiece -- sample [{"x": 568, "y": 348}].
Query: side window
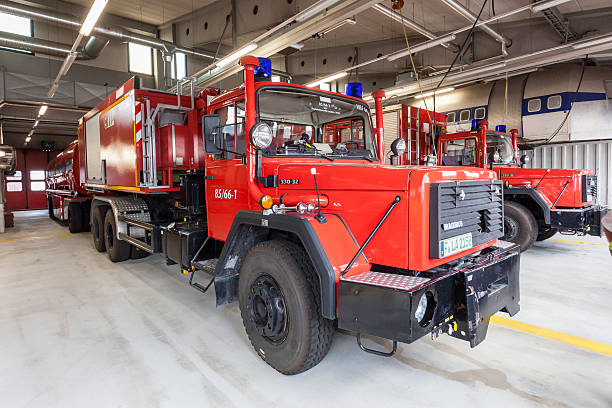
[
  {"x": 233, "y": 130},
  {"x": 450, "y": 117},
  {"x": 553, "y": 102},
  {"x": 479, "y": 113},
  {"x": 464, "y": 115},
  {"x": 459, "y": 152},
  {"x": 534, "y": 105}
]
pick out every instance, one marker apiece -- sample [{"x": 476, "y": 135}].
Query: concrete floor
[{"x": 77, "y": 330}]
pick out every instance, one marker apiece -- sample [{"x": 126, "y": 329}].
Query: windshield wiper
[
  {"x": 326, "y": 157},
  {"x": 368, "y": 158}
]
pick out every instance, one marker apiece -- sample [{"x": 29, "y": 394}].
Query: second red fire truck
[{"x": 281, "y": 192}]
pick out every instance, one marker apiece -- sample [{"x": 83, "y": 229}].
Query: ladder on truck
[
  {"x": 161, "y": 113},
  {"x": 412, "y": 136}
]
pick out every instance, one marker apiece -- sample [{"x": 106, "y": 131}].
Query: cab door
[{"x": 227, "y": 173}]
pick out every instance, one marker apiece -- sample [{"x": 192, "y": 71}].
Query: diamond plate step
[{"x": 388, "y": 280}]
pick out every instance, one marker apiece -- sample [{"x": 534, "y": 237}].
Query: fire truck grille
[
  {"x": 589, "y": 187},
  {"x": 464, "y": 214}
]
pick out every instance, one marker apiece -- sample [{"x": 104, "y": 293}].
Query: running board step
[{"x": 387, "y": 280}]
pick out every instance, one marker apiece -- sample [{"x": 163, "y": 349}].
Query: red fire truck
[
  {"x": 66, "y": 198},
  {"x": 538, "y": 202},
  {"x": 297, "y": 219}
]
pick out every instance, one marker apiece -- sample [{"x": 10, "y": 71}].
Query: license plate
[{"x": 455, "y": 245}]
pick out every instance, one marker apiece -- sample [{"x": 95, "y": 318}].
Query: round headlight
[
  {"x": 398, "y": 147},
  {"x": 425, "y": 309},
  {"x": 261, "y": 136}
]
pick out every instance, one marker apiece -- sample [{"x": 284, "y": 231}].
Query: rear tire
[
  {"x": 97, "y": 228},
  {"x": 50, "y": 207},
  {"x": 280, "y": 307},
  {"x": 520, "y": 226},
  {"x": 75, "y": 218},
  {"x": 117, "y": 250},
  {"x": 545, "y": 234}
]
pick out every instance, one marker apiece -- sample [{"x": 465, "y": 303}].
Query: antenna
[{"x": 319, "y": 217}]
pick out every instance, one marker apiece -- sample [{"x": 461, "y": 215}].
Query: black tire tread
[
  {"x": 322, "y": 329},
  {"x": 75, "y": 218},
  {"x": 121, "y": 250},
  {"x": 545, "y": 234},
  {"x": 97, "y": 216},
  {"x": 529, "y": 227}
]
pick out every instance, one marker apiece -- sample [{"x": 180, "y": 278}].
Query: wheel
[
  {"x": 280, "y": 307},
  {"x": 545, "y": 234},
  {"x": 50, "y": 207},
  {"x": 97, "y": 228},
  {"x": 75, "y": 218},
  {"x": 520, "y": 226},
  {"x": 137, "y": 253},
  {"x": 117, "y": 250},
  {"x": 85, "y": 217}
]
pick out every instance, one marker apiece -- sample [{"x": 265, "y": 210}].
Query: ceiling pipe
[
  {"x": 460, "y": 9},
  {"x": 410, "y": 24},
  {"x": 89, "y": 51},
  {"x": 107, "y": 32}
]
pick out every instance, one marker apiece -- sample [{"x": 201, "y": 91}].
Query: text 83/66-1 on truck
[{"x": 282, "y": 193}]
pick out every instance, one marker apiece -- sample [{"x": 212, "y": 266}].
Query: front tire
[
  {"x": 50, "y": 207},
  {"x": 117, "y": 250},
  {"x": 520, "y": 226},
  {"x": 545, "y": 234},
  {"x": 280, "y": 307}
]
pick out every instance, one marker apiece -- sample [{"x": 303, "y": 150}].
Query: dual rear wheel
[{"x": 104, "y": 237}]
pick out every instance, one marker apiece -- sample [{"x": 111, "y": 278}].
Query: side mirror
[{"x": 211, "y": 134}]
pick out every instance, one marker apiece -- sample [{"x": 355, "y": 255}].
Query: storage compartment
[
  {"x": 174, "y": 153},
  {"x": 181, "y": 241}
]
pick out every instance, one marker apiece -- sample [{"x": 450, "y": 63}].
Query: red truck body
[{"x": 284, "y": 187}]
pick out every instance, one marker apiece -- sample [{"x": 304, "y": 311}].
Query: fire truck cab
[
  {"x": 538, "y": 202},
  {"x": 281, "y": 193}
]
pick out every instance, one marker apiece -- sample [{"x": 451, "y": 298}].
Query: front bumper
[
  {"x": 585, "y": 219},
  {"x": 460, "y": 301}
]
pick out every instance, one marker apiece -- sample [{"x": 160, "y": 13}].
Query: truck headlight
[
  {"x": 425, "y": 309},
  {"x": 261, "y": 136},
  {"x": 398, "y": 147}
]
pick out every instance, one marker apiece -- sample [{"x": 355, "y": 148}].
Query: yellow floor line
[
  {"x": 576, "y": 341},
  {"x": 28, "y": 238},
  {"x": 577, "y": 242}
]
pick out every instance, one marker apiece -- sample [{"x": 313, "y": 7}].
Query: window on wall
[
  {"x": 179, "y": 66},
  {"x": 479, "y": 113},
  {"x": 15, "y": 177},
  {"x": 37, "y": 174},
  {"x": 534, "y": 105},
  {"x": 553, "y": 102},
  {"x": 464, "y": 115},
  {"x": 16, "y": 25},
  {"x": 37, "y": 186},
  {"x": 450, "y": 117},
  {"x": 13, "y": 186},
  {"x": 140, "y": 59}
]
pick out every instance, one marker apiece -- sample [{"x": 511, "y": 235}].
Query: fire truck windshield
[
  {"x": 499, "y": 148},
  {"x": 307, "y": 123}
]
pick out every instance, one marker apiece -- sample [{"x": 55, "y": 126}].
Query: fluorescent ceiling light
[
  {"x": 543, "y": 5},
  {"x": 479, "y": 70},
  {"x": 351, "y": 21},
  {"x": 368, "y": 98},
  {"x": 297, "y": 46},
  {"x": 36, "y": 123},
  {"x": 236, "y": 54},
  {"x": 42, "y": 110},
  {"x": 327, "y": 79},
  {"x": 422, "y": 46},
  {"x": 441, "y": 91},
  {"x": 592, "y": 42},
  {"x": 52, "y": 90},
  {"x": 92, "y": 16},
  {"x": 31, "y": 132},
  {"x": 316, "y": 8},
  {"x": 27, "y": 139}
]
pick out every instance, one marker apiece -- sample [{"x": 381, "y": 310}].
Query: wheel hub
[
  {"x": 267, "y": 309},
  {"x": 510, "y": 229}
]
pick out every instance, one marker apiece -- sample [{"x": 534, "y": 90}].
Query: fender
[
  {"x": 534, "y": 195},
  {"x": 249, "y": 228}
]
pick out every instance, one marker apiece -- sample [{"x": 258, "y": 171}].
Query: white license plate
[{"x": 455, "y": 245}]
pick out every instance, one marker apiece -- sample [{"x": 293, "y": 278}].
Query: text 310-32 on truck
[
  {"x": 280, "y": 191},
  {"x": 538, "y": 202}
]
